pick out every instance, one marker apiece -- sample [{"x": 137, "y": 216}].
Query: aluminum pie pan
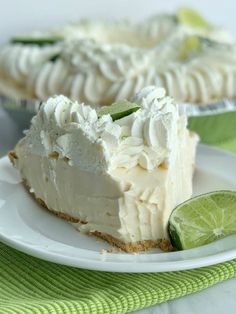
[
  {"x": 192, "y": 110},
  {"x": 18, "y": 104},
  {"x": 218, "y": 107}
]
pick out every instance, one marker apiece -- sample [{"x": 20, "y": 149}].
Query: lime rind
[
  {"x": 39, "y": 41},
  {"x": 55, "y": 57},
  {"x": 119, "y": 109},
  {"x": 203, "y": 219},
  {"x": 174, "y": 237},
  {"x": 192, "y": 18}
]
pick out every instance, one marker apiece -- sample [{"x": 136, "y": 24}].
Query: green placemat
[
  {"x": 218, "y": 129},
  {"x": 30, "y": 285}
]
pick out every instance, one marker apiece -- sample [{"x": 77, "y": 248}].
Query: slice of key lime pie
[{"x": 115, "y": 172}]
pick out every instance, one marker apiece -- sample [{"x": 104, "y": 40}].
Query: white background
[{"x": 17, "y": 16}]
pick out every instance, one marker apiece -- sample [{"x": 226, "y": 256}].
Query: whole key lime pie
[{"x": 99, "y": 62}]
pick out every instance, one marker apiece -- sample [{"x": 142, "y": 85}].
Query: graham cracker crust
[
  {"x": 12, "y": 156},
  {"x": 130, "y": 247}
]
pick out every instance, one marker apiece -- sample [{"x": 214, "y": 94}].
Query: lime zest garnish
[
  {"x": 39, "y": 41},
  {"x": 203, "y": 219},
  {"x": 192, "y": 18},
  {"x": 119, "y": 109}
]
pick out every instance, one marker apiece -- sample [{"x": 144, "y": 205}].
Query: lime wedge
[
  {"x": 39, "y": 41},
  {"x": 119, "y": 109},
  {"x": 203, "y": 219},
  {"x": 190, "y": 17}
]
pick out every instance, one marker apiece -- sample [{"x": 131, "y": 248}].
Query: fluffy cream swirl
[{"x": 16, "y": 61}]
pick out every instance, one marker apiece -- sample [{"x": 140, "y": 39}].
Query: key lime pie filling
[{"x": 117, "y": 176}]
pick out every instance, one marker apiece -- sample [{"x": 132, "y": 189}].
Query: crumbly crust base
[
  {"x": 12, "y": 156},
  {"x": 130, "y": 247},
  {"x": 133, "y": 247}
]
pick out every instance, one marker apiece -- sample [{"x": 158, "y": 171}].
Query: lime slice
[
  {"x": 203, "y": 219},
  {"x": 39, "y": 41},
  {"x": 190, "y": 17},
  {"x": 119, "y": 109},
  {"x": 190, "y": 44}
]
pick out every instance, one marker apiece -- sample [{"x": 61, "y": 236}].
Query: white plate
[{"x": 31, "y": 229}]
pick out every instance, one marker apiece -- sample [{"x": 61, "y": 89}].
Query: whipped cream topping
[
  {"x": 18, "y": 60},
  {"x": 74, "y": 131},
  {"x": 103, "y": 61},
  {"x": 144, "y": 34},
  {"x": 95, "y": 73}
]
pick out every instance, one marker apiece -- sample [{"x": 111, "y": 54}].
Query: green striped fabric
[{"x": 30, "y": 285}]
